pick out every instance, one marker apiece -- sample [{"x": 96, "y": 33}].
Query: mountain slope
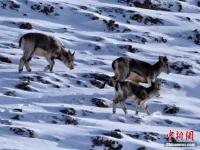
[{"x": 42, "y": 110}]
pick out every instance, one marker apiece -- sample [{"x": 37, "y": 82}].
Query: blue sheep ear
[
  {"x": 165, "y": 58},
  {"x": 73, "y": 53}
]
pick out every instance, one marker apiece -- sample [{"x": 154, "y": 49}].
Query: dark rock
[
  {"x": 10, "y": 93},
  {"x": 135, "y": 136},
  {"x": 129, "y": 48},
  {"x": 54, "y": 122},
  {"x": 40, "y": 79},
  {"x": 147, "y": 4},
  {"x": 81, "y": 83},
  {"x": 17, "y": 110},
  {"x": 14, "y": 5},
  {"x": 26, "y": 25},
  {"x": 45, "y": 9},
  {"x": 168, "y": 121},
  {"x": 68, "y": 111},
  {"x": 149, "y": 137},
  {"x": 143, "y": 40},
  {"x": 5, "y": 59},
  {"x": 5, "y": 121},
  {"x": 126, "y": 30},
  {"x": 70, "y": 120},
  {"x": 114, "y": 134},
  {"x": 168, "y": 83},
  {"x": 101, "y": 77},
  {"x": 152, "y": 21},
  {"x": 26, "y": 78},
  {"x": 86, "y": 112},
  {"x": 16, "y": 117},
  {"x": 23, "y": 132},
  {"x": 137, "y": 17},
  {"x": 83, "y": 7},
  {"x": 107, "y": 143},
  {"x": 171, "y": 109},
  {"x": 55, "y": 86},
  {"x": 9, "y": 4},
  {"x": 182, "y": 68},
  {"x": 141, "y": 148},
  {"x": 10, "y": 45},
  {"x": 23, "y": 86},
  {"x": 97, "y": 76},
  {"x": 100, "y": 103},
  {"x": 94, "y": 18},
  {"x": 97, "y": 83},
  {"x": 97, "y": 47},
  {"x": 111, "y": 25}
]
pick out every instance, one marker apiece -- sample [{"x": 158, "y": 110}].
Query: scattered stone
[
  {"x": 84, "y": 7},
  {"x": 143, "y": 40},
  {"x": 115, "y": 134},
  {"x": 54, "y": 122},
  {"x": 161, "y": 40},
  {"x": 5, "y": 59},
  {"x": 149, "y": 136},
  {"x": 100, "y": 103},
  {"x": 97, "y": 83},
  {"x": 78, "y": 82},
  {"x": 171, "y": 109},
  {"x": 169, "y": 83},
  {"x": 135, "y": 136},
  {"x": 152, "y": 21},
  {"x": 97, "y": 47},
  {"x": 168, "y": 121},
  {"x": 16, "y": 117},
  {"x": 141, "y": 148},
  {"x": 10, "y": 93},
  {"x": 26, "y": 78},
  {"x": 26, "y": 25},
  {"x": 68, "y": 111},
  {"x": 40, "y": 79},
  {"x": 147, "y": 4},
  {"x": 111, "y": 25},
  {"x": 101, "y": 77},
  {"x": 45, "y": 9},
  {"x": 137, "y": 17},
  {"x": 9, "y": 4},
  {"x": 9, "y": 45},
  {"x": 23, "y": 132},
  {"x": 126, "y": 30},
  {"x": 24, "y": 86},
  {"x": 129, "y": 48},
  {"x": 97, "y": 76},
  {"x": 86, "y": 112},
  {"x": 56, "y": 86},
  {"x": 17, "y": 110},
  {"x": 182, "y": 68},
  {"x": 196, "y": 37},
  {"x": 70, "y": 120},
  {"x": 107, "y": 143},
  {"x": 5, "y": 121}
]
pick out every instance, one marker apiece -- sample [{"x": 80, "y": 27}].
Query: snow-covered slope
[{"x": 64, "y": 109}]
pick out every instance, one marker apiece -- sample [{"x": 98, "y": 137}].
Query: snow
[{"x": 64, "y": 88}]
